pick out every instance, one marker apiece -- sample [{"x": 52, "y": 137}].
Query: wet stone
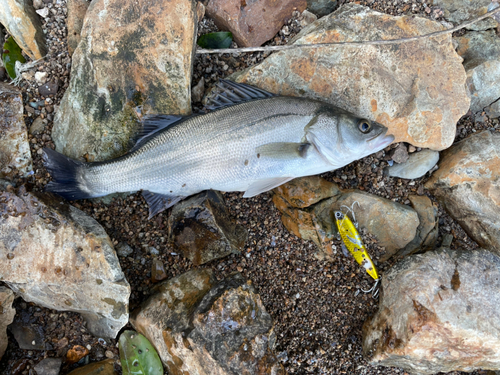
[
  {"x": 201, "y": 228},
  {"x": 49, "y": 366},
  {"x": 105, "y": 367},
  {"x": 76, "y": 353},
  {"x": 28, "y": 334}
]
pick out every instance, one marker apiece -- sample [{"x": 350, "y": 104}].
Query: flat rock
[
  {"x": 459, "y": 11},
  {"x": 417, "y": 165},
  {"x": 22, "y": 22},
  {"x": 76, "y": 15},
  {"x": 202, "y": 229},
  {"x": 15, "y": 155},
  {"x": 438, "y": 312},
  {"x": 481, "y": 54},
  {"x": 415, "y": 89},
  {"x": 6, "y": 316},
  {"x": 29, "y": 334},
  {"x": 105, "y": 367},
  {"x": 58, "y": 257},
  {"x": 49, "y": 366},
  {"x": 467, "y": 183},
  {"x": 252, "y": 22},
  {"x": 202, "y": 327},
  {"x": 153, "y": 44},
  {"x": 306, "y": 191}
]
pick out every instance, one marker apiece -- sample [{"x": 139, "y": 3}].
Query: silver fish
[{"x": 253, "y": 141}]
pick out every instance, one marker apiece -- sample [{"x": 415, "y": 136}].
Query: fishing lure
[{"x": 352, "y": 241}]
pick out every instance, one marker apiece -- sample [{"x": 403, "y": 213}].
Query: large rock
[
  {"x": 459, "y": 11},
  {"x": 438, "y": 312},
  {"x": 393, "y": 224},
  {"x": 7, "y": 313},
  {"x": 76, "y": 15},
  {"x": 201, "y": 327},
  {"x": 133, "y": 56},
  {"x": 22, "y": 22},
  {"x": 15, "y": 155},
  {"x": 201, "y": 228},
  {"x": 56, "y": 256},
  {"x": 467, "y": 183},
  {"x": 416, "y": 89},
  {"x": 252, "y": 22},
  {"x": 481, "y": 54}
]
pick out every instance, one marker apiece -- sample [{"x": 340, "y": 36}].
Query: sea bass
[{"x": 253, "y": 141}]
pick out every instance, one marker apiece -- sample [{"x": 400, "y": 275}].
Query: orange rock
[
  {"x": 306, "y": 191},
  {"x": 105, "y": 367},
  {"x": 76, "y": 353}
]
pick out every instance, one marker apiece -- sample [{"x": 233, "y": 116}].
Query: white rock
[
  {"x": 41, "y": 77},
  {"x": 44, "y": 12},
  {"x": 417, "y": 165}
]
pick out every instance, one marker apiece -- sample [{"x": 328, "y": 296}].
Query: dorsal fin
[
  {"x": 227, "y": 93},
  {"x": 150, "y": 126}
]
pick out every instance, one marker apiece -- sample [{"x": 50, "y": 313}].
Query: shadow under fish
[{"x": 251, "y": 141}]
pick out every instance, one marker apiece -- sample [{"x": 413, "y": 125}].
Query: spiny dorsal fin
[
  {"x": 151, "y": 125},
  {"x": 227, "y": 93}
]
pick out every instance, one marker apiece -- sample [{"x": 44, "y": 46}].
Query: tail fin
[{"x": 66, "y": 174}]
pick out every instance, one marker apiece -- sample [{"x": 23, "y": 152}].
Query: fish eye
[{"x": 364, "y": 126}]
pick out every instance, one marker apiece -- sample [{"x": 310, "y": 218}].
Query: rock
[
  {"x": 15, "y": 155},
  {"x": 48, "y": 366},
  {"x": 76, "y": 15},
  {"x": 37, "y": 126},
  {"x": 58, "y": 257},
  {"x": 468, "y": 187},
  {"x": 307, "y": 18},
  {"x": 158, "y": 272},
  {"x": 123, "y": 249},
  {"x": 459, "y": 11},
  {"x": 29, "y": 334},
  {"x": 428, "y": 227},
  {"x": 153, "y": 44},
  {"x": 417, "y": 165},
  {"x": 6, "y": 317},
  {"x": 400, "y": 154},
  {"x": 41, "y": 77},
  {"x": 200, "y": 11},
  {"x": 199, "y": 90},
  {"x": 252, "y": 22},
  {"x": 481, "y": 54},
  {"x": 438, "y": 313},
  {"x": 201, "y": 228},
  {"x": 199, "y": 327},
  {"x": 44, "y": 12},
  {"x": 422, "y": 108},
  {"x": 105, "y": 367},
  {"x": 76, "y": 353},
  {"x": 50, "y": 88},
  {"x": 21, "y": 21},
  {"x": 393, "y": 224},
  {"x": 321, "y": 7}
]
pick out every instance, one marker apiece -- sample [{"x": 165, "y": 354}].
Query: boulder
[
  {"x": 152, "y": 43},
  {"x": 15, "y": 155},
  {"x": 201, "y": 228},
  {"x": 467, "y": 184},
  {"x": 202, "y": 327},
  {"x": 6, "y": 316},
  {"x": 481, "y": 53},
  {"x": 415, "y": 89},
  {"x": 22, "y": 22},
  {"x": 252, "y": 22},
  {"x": 76, "y": 15},
  {"x": 438, "y": 312},
  {"x": 417, "y": 165},
  {"x": 58, "y": 257},
  {"x": 459, "y": 11}
]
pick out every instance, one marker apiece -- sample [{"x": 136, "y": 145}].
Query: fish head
[{"x": 342, "y": 137}]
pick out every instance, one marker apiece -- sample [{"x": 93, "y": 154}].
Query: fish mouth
[{"x": 381, "y": 140}]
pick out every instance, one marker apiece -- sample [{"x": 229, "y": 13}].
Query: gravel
[{"x": 315, "y": 304}]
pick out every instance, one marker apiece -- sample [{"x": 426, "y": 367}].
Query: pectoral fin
[
  {"x": 283, "y": 151},
  {"x": 159, "y": 202},
  {"x": 263, "y": 185}
]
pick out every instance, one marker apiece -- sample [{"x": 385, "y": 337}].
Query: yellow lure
[{"x": 352, "y": 241}]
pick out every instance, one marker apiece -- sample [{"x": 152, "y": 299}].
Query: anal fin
[
  {"x": 159, "y": 202},
  {"x": 260, "y": 186}
]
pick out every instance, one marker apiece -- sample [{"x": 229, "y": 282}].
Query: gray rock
[
  {"x": 22, "y": 22},
  {"x": 58, "y": 257},
  {"x": 417, "y": 165},
  {"x": 199, "y": 90},
  {"x": 421, "y": 109},
  {"x": 37, "y": 126},
  {"x": 76, "y": 15},
  {"x": 15, "y": 155},
  {"x": 49, "y": 366},
  {"x": 400, "y": 154},
  {"x": 438, "y": 313},
  {"x": 468, "y": 187},
  {"x": 201, "y": 228},
  {"x": 48, "y": 89},
  {"x": 29, "y": 334},
  {"x": 481, "y": 54},
  {"x": 201, "y": 327},
  {"x": 152, "y": 43},
  {"x": 123, "y": 249},
  {"x": 321, "y": 7},
  {"x": 459, "y": 11},
  {"x": 6, "y": 316}
]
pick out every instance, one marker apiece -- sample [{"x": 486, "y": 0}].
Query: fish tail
[{"x": 67, "y": 176}]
